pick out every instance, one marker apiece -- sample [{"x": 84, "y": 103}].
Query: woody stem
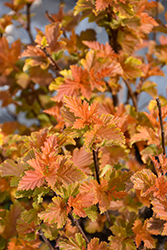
[
  {"x": 45, "y": 239},
  {"x": 78, "y": 227},
  {"x": 161, "y": 123},
  {"x": 95, "y": 158}
]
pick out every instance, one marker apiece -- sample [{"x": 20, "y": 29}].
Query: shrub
[{"x": 90, "y": 171}]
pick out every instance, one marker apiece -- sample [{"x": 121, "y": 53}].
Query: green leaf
[
  {"x": 72, "y": 244},
  {"x": 50, "y": 231},
  {"x": 91, "y": 212},
  {"x": 150, "y": 88}
]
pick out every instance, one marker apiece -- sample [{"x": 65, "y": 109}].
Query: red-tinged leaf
[
  {"x": 56, "y": 212},
  {"x": 165, "y": 230},
  {"x": 36, "y": 139},
  {"x": 52, "y": 33},
  {"x": 74, "y": 105},
  {"x": 11, "y": 217},
  {"x": 160, "y": 208},
  {"x": 73, "y": 244},
  {"x": 19, "y": 244},
  {"x": 111, "y": 155},
  {"x": 8, "y": 56},
  {"x": 101, "y": 49},
  {"x": 67, "y": 173},
  {"x": 146, "y": 134},
  {"x": 68, "y": 116},
  {"x": 45, "y": 166},
  {"x": 103, "y": 136},
  {"x": 102, "y": 4},
  {"x": 101, "y": 195},
  {"x": 90, "y": 60},
  {"x": 69, "y": 88},
  {"x": 32, "y": 51},
  {"x": 31, "y": 180},
  {"x": 98, "y": 70},
  {"x": 85, "y": 114},
  {"x": 55, "y": 112},
  {"x": 161, "y": 188},
  {"x": 10, "y": 168},
  {"x": 142, "y": 234},
  {"x": 50, "y": 148},
  {"x": 160, "y": 166},
  {"x": 147, "y": 23},
  {"x": 143, "y": 180},
  {"x": 94, "y": 245},
  {"x": 82, "y": 159},
  {"x": 78, "y": 80},
  {"x": 155, "y": 226},
  {"x": 81, "y": 201}
]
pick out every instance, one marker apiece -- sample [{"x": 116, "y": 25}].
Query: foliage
[{"x": 85, "y": 173}]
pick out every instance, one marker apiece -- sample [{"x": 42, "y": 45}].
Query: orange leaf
[
  {"x": 102, "y": 4},
  {"x": 52, "y": 33},
  {"x": 101, "y": 49},
  {"x": 142, "y": 234},
  {"x": 161, "y": 188},
  {"x": 144, "y": 180},
  {"x": 31, "y": 180},
  {"x": 81, "y": 201},
  {"x": 85, "y": 114},
  {"x": 19, "y": 244},
  {"x": 101, "y": 195},
  {"x": 67, "y": 173},
  {"x": 10, "y": 168},
  {"x": 56, "y": 212},
  {"x": 71, "y": 86},
  {"x": 11, "y": 217},
  {"x": 82, "y": 159},
  {"x": 94, "y": 245},
  {"x": 160, "y": 208}
]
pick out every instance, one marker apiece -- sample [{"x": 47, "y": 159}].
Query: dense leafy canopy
[{"x": 83, "y": 175}]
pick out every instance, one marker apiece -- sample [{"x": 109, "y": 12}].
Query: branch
[
  {"x": 95, "y": 158},
  {"x": 53, "y": 62},
  {"x": 114, "y": 97},
  {"x": 132, "y": 95},
  {"x": 53, "y": 21},
  {"x": 75, "y": 221},
  {"x": 161, "y": 123},
  {"x": 28, "y": 28},
  {"x": 45, "y": 239}
]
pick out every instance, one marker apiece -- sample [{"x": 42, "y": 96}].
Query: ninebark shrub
[{"x": 90, "y": 172}]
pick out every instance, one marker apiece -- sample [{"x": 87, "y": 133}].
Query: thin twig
[
  {"x": 45, "y": 239},
  {"x": 51, "y": 59},
  {"x": 95, "y": 158},
  {"x": 28, "y": 28},
  {"x": 161, "y": 123},
  {"x": 49, "y": 16},
  {"x": 131, "y": 94},
  {"x": 75, "y": 221},
  {"x": 53, "y": 21},
  {"x": 114, "y": 97}
]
